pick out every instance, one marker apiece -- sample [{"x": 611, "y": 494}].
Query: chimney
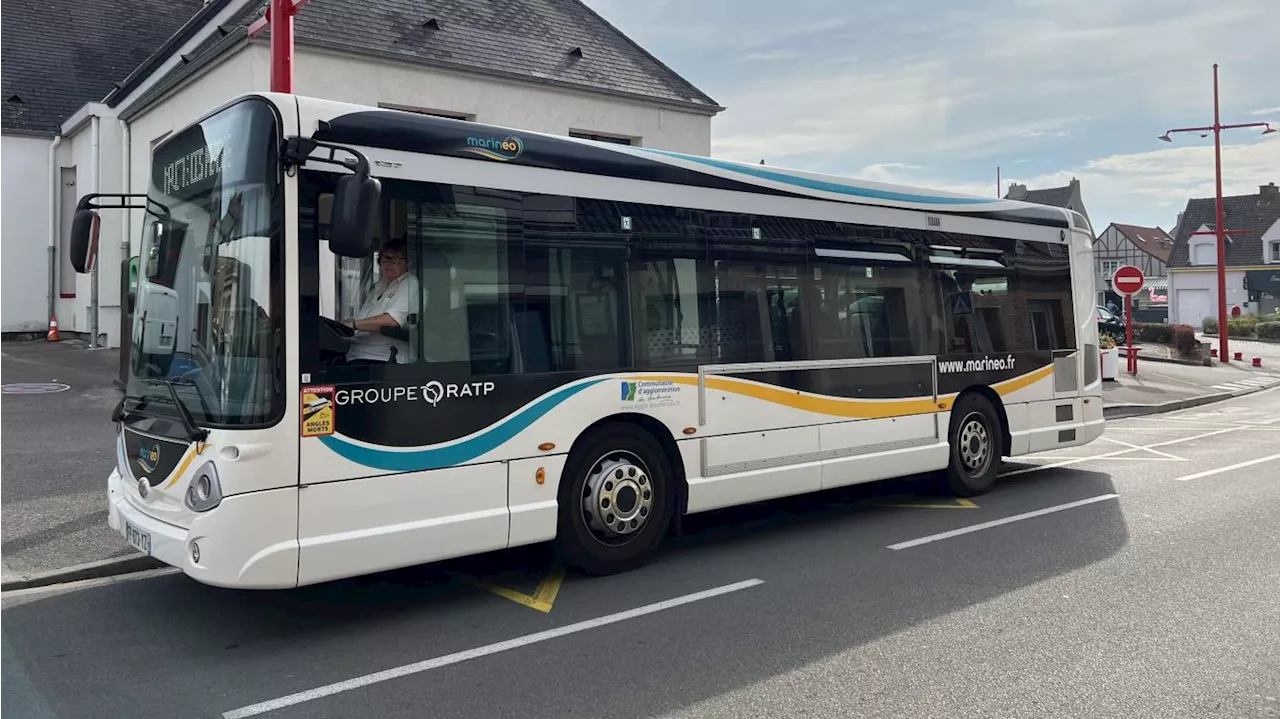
[
  {"x": 1269, "y": 191},
  {"x": 1016, "y": 191}
]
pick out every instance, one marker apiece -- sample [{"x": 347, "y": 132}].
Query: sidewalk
[
  {"x": 58, "y": 450},
  {"x": 1164, "y": 387}
]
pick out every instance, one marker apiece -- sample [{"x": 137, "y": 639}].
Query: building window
[
  {"x": 1109, "y": 267},
  {"x": 1274, "y": 256},
  {"x": 1203, "y": 254},
  {"x": 447, "y": 114},
  {"x": 615, "y": 139}
]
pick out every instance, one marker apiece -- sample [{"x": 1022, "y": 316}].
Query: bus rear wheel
[
  {"x": 616, "y": 501},
  {"x": 976, "y": 439}
]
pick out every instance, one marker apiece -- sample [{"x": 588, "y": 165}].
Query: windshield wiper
[
  {"x": 121, "y": 412},
  {"x": 204, "y": 404},
  {"x": 195, "y": 432}
]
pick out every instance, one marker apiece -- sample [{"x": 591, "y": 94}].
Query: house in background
[
  {"x": 57, "y": 57},
  {"x": 1252, "y": 257},
  {"x": 1068, "y": 196},
  {"x": 1146, "y": 248}
]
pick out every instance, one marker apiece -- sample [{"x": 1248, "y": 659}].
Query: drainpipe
[
  {"x": 55, "y": 196},
  {"x": 93, "y": 275},
  {"x": 124, "y": 234}
]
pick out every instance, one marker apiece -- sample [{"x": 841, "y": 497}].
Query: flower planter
[{"x": 1110, "y": 363}]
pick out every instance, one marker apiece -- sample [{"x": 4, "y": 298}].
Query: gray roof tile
[
  {"x": 1151, "y": 240},
  {"x": 528, "y": 39},
  {"x": 1055, "y": 196},
  {"x": 1255, "y": 213},
  {"x": 60, "y": 54}
]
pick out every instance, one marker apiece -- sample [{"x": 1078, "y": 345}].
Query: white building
[
  {"x": 1252, "y": 257},
  {"x": 560, "y": 69},
  {"x": 57, "y": 56}
]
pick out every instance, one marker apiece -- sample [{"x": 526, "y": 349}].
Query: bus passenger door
[
  {"x": 384, "y": 480},
  {"x": 756, "y": 446}
]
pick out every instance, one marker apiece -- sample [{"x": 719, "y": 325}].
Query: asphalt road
[
  {"x": 58, "y": 450},
  {"x": 1137, "y": 577}
]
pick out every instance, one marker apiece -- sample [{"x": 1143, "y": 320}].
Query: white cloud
[
  {"x": 935, "y": 92},
  {"x": 1144, "y": 188},
  {"x": 886, "y": 171},
  {"x": 769, "y": 56}
]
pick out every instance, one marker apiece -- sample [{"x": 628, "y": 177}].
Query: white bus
[{"x": 585, "y": 342}]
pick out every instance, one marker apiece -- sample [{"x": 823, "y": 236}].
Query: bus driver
[{"x": 387, "y": 304}]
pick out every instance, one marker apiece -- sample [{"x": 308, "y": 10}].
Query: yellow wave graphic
[{"x": 844, "y": 407}]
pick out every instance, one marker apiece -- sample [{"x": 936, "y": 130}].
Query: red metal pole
[
  {"x": 1128, "y": 334},
  {"x": 282, "y": 45},
  {"x": 1222, "y": 243}
]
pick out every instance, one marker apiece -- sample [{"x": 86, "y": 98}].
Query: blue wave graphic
[
  {"x": 454, "y": 454},
  {"x": 823, "y": 185}
]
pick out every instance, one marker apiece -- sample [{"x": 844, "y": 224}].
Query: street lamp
[{"x": 1216, "y": 128}]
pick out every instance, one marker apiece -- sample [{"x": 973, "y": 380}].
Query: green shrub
[
  {"x": 1184, "y": 339},
  {"x": 1241, "y": 327},
  {"x": 1210, "y": 325},
  {"x": 1153, "y": 332},
  {"x": 1269, "y": 330}
]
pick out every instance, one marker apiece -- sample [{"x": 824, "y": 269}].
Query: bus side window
[{"x": 575, "y": 290}]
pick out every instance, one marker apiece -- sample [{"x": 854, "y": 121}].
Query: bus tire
[
  {"x": 616, "y": 500},
  {"x": 976, "y": 438}
]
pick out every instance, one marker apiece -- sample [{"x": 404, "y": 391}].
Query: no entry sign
[{"x": 1128, "y": 280}]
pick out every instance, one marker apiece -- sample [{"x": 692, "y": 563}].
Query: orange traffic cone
[{"x": 53, "y": 329}]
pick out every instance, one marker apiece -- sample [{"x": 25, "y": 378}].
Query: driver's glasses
[{"x": 389, "y": 259}]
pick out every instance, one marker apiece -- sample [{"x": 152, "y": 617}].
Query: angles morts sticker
[{"x": 318, "y": 411}]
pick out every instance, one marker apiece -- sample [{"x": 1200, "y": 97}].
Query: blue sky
[{"x": 938, "y": 94}]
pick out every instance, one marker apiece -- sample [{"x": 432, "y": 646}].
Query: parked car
[{"x": 1110, "y": 324}]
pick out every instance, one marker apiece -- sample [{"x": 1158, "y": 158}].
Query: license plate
[{"x": 137, "y": 538}]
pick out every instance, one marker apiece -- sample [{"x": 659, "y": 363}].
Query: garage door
[{"x": 1193, "y": 306}]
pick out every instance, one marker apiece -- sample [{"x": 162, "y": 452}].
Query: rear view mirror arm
[
  {"x": 122, "y": 202},
  {"x": 298, "y": 152}
]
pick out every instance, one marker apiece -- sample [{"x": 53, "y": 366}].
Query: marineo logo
[{"x": 504, "y": 150}]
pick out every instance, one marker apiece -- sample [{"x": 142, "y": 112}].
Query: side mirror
[
  {"x": 356, "y": 201},
  {"x": 84, "y": 239}
]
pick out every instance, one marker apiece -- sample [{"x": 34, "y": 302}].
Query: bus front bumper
[{"x": 246, "y": 542}]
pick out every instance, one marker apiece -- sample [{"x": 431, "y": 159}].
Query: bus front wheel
[
  {"x": 616, "y": 500},
  {"x": 975, "y": 436}
]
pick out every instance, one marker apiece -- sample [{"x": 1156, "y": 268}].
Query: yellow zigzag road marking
[{"x": 542, "y": 599}]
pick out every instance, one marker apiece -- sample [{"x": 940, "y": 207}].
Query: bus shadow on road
[{"x": 920, "y": 500}]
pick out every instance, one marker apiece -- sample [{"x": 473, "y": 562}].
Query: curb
[
  {"x": 1118, "y": 411},
  {"x": 1263, "y": 340},
  {"x": 1169, "y": 360},
  {"x": 92, "y": 570}
]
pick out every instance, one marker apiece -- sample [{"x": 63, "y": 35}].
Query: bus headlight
[{"x": 205, "y": 492}]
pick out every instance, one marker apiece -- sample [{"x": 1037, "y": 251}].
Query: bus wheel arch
[
  {"x": 619, "y": 466},
  {"x": 978, "y": 436},
  {"x": 998, "y": 403}
]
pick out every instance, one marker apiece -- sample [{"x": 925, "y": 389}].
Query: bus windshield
[{"x": 208, "y": 320}]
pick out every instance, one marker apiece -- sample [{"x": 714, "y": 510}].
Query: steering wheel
[{"x": 340, "y": 329}]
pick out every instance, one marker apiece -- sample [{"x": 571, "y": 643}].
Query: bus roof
[{"x": 374, "y": 127}]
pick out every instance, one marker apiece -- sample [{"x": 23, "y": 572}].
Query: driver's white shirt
[{"x": 394, "y": 300}]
